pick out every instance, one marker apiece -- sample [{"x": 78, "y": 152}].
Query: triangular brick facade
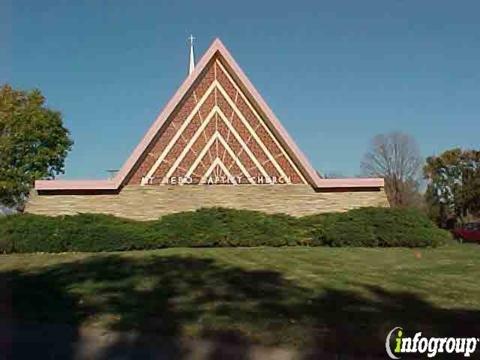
[{"x": 214, "y": 124}]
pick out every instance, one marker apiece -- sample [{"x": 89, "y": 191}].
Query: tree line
[{"x": 452, "y": 178}]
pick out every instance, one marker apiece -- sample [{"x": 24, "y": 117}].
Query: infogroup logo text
[{"x": 431, "y": 346}]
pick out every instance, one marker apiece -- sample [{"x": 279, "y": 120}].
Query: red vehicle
[{"x": 469, "y": 232}]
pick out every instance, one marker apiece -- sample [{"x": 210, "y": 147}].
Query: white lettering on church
[{"x": 214, "y": 180}]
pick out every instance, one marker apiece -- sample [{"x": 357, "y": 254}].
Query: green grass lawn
[{"x": 339, "y": 299}]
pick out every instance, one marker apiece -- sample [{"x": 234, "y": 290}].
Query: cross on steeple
[{"x": 192, "y": 56}]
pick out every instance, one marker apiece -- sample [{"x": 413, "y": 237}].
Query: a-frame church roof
[{"x": 290, "y": 151}]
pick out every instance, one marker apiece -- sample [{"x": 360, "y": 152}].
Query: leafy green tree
[
  {"x": 33, "y": 143},
  {"x": 453, "y": 183}
]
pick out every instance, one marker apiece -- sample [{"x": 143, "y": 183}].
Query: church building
[{"x": 216, "y": 143}]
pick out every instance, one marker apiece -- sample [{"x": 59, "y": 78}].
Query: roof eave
[
  {"x": 54, "y": 185},
  {"x": 350, "y": 183}
]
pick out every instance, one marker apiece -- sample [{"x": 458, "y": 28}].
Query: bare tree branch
[{"x": 396, "y": 158}]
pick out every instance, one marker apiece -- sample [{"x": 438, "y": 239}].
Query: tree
[
  {"x": 33, "y": 143},
  {"x": 396, "y": 158},
  {"x": 453, "y": 183}
]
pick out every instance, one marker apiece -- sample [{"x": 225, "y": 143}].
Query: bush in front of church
[
  {"x": 225, "y": 227},
  {"x": 97, "y": 232},
  {"x": 209, "y": 227},
  {"x": 83, "y": 232},
  {"x": 382, "y": 227}
]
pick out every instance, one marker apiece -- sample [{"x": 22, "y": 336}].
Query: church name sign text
[{"x": 215, "y": 180}]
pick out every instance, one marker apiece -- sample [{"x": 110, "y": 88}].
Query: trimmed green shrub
[
  {"x": 344, "y": 230},
  {"x": 226, "y": 227},
  {"x": 83, "y": 232},
  {"x": 218, "y": 227},
  {"x": 383, "y": 227}
]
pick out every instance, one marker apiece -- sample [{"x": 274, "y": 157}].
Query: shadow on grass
[{"x": 165, "y": 300}]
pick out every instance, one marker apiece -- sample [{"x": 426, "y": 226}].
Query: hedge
[
  {"x": 376, "y": 227},
  {"x": 218, "y": 227}
]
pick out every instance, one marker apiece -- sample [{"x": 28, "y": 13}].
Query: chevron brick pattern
[{"x": 216, "y": 136}]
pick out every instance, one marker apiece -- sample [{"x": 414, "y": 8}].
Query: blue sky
[{"x": 335, "y": 72}]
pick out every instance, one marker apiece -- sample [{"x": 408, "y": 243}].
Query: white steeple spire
[{"x": 192, "y": 56}]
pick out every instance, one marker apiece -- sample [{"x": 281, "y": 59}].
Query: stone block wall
[{"x": 151, "y": 202}]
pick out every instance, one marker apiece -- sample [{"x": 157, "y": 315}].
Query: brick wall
[
  {"x": 151, "y": 202},
  {"x": 208, "y": 113}
]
